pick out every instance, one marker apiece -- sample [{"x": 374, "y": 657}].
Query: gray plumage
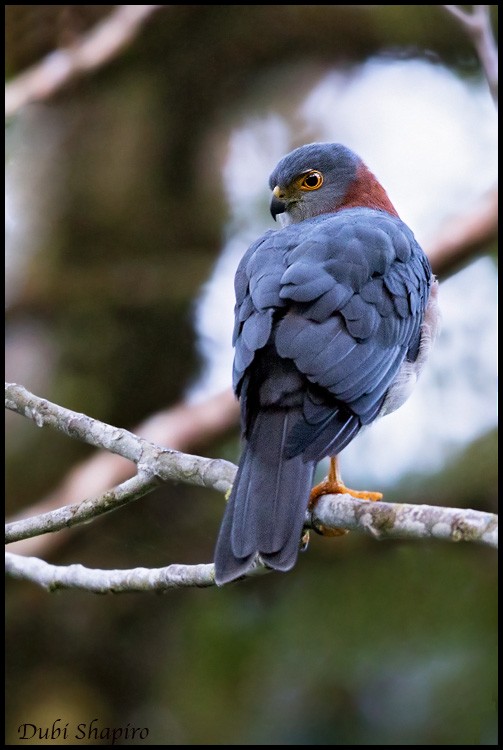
[{"x": 331, "y": 328}]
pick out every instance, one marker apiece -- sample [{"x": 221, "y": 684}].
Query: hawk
[{"x": 335, "y": 315}]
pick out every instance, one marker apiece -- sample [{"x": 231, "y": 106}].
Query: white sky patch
[
  {"x": 431, "y": 140},
  {"x": 252, "y": 150}
]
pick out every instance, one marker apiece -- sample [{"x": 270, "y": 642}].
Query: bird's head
[{"x": 320, "y": 178}]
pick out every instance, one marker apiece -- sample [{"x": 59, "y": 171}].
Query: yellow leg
[{"x": 334, "y": 485}]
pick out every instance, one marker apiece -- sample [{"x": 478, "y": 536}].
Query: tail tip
[{"x": 231, "y": 569}]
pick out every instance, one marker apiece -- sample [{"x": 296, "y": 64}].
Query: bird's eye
[{"x": 311, "y": 181}]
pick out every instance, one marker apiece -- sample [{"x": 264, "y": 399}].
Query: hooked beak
[{"x": 277, "y": 206}]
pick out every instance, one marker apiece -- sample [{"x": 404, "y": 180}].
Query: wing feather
[{"x": 341, "y": 298}]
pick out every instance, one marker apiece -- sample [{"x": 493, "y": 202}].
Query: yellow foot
[
  {"x": 331, "y": 487},
  {"x": 334, "y": 486}
]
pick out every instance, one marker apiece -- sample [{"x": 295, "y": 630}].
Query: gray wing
[{"x": 340, "y": 300}]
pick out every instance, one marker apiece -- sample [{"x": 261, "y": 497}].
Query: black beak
[{"x": 277, "y": 207}]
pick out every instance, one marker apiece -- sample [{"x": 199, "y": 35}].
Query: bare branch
[
  {"x": 185, "y": 425},
  {"x": 104, "y": 42},
  {"x": 155, "y": 464},
  {"x": 477, "y": 26},
  {"x": 75, "y": 425},
  {"x": 181, "y": 427},
  {"x": 465, "y": 237},
  {"x": 380, "y": 520},
  {"x": 467, "y": 19},
  {"x": 402, "y": 521},
  {"x": 152, "y": 459},
  {"x": 53, "y": 577},
  {"x": 72, "y": 515}
]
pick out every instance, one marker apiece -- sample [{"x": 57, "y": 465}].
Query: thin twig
[
  {"x": 72, "y": 515},
  {"x": 477, "y": 25}
]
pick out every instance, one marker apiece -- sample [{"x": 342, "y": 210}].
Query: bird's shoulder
[
  {"x": 364, "y": 237},
  {"x": 333, "y": 292},
  {"x": 357, "y": 250}
]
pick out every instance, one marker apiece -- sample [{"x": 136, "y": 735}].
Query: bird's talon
[
  {"x": 373, "y": 497},
  {"x": 333, "y": 485},
  {"x": 304, "y": 541},
  {"x": 325, "y": 531}
]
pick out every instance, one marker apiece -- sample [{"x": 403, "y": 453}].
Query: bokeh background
[{"x": 131, "y": 194}]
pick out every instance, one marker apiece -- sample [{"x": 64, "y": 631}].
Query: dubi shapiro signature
[{"x": 85, "y": 731}]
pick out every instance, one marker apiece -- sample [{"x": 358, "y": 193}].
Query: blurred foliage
[{"x": 363, "y": 643}]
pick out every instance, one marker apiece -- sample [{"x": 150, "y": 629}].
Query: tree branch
[
  {"x": 104, "y": 42},
  {"x": 404, "y": 521},
  {"x": 187, "y": 425},
  {"x": 72, "y": 515},
  {"x": 465, "y": 237},
  {"x": 155, "y": 464},
  {"x": 380, "y": 520},
  {"x": 182, "y": 427},
  {"x": 152, "y": 460},
  {"x": 53, "y": 577},
  {"x": 477, "y": 26}
]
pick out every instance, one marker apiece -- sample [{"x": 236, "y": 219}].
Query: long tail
[{"x": 266, "y": 509}]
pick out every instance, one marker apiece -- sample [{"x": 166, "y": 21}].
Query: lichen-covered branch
[
  {"x": 155, "y": 464},
  {"x": 151, "y": 459},
  {"x": 53, "y": 577},
  {"x": 72, "y": 515},
  {"x": 183, "y": 427},
  {"x": 381, "y": 520},
  {"x": 400, "y": 520}
]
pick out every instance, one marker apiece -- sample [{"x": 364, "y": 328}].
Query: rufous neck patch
[{"x": 366, "y": 192}]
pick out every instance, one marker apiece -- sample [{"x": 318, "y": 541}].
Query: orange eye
[{"x": 311, "y": 181}]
